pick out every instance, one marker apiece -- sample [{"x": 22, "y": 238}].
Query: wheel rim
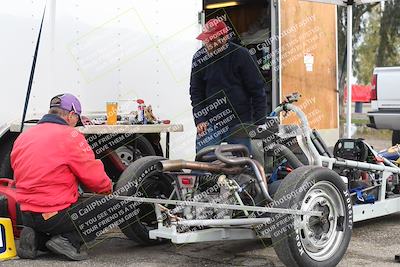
[
  {"x": 125, "y": 154},
  {"x": 129, "y": 154},
  {"x": 321, "y": 237}
]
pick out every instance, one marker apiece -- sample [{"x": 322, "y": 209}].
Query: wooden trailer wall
[{"x": 308, "y": 62}]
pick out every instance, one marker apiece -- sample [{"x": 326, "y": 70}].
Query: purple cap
[{"x": 67, "y": 102}]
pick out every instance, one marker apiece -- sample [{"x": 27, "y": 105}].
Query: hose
[{"x": 286, "y": 153}]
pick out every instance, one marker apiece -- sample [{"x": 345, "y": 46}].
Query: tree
[
  {"x": 367, "y": 47},
  {"x": 358, "y": 16},
  {"x": 376, "y": 41},
  {"x": 389, "y": 46}
]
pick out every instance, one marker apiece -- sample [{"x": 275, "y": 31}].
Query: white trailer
[
  {"x": 124, "y": 50},
  {"x": 100, "y": 51}
]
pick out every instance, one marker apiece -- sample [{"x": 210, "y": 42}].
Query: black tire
[
  {"x": 287, "y": 231},
  {"x": 143, "y": 176},
  {"x": 6, "y": 146},
  {"x": 155, "y": 139},
  {"x": 395, "y": 137},
  {"x": 144, "y": 147},
  {"x": 128, "y": 154}
]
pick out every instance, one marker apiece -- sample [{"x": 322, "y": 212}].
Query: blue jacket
[{"x": 231, "y": 73}]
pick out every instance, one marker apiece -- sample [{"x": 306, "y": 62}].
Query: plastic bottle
[{"x": 141, "y": 107}]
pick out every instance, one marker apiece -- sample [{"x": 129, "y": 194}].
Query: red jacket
[{"x": 49, "y": 160}]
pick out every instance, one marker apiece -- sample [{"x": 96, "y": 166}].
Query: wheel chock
[{"x": 7, "y": 243}]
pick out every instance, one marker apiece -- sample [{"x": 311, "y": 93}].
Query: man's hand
[{"x": 201, "y": 127}]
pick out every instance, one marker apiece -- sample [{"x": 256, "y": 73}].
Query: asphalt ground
[{"x": 374, "y": 243}]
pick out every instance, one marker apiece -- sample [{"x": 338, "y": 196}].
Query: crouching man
[{"x": 49, "y": 161}]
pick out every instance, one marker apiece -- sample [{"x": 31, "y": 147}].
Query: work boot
[
  {"x": 42, "y": 239},
  {"x": 61, "y": 245},
  {"x": 28, "y": 244},
  {"x": 397, "y": 257}
]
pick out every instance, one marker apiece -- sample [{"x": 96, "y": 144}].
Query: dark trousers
[{"x": 62, "y": 223}]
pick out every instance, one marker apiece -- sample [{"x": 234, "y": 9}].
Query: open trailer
[{"x": 143, "y": 49}]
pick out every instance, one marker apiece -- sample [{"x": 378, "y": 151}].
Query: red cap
[{"x": 213, "y": 29}]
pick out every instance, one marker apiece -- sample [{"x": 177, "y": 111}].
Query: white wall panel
[{"x": 102, "y": 51}]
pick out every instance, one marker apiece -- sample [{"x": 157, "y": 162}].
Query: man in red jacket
[{"x": 50, "y": 160}]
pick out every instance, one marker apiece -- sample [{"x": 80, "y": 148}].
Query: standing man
[
  {"x": 49, "y": 161},
  {"x": 226, "y": 88}
]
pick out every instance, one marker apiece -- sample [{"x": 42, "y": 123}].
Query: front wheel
[
  {"x": 303, "y": 240},
  {"x": 143, "y": 179}
]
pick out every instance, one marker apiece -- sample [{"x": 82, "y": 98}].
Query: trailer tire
[
  {"x": 143, "y": 148},
  {"x": 6, "y": 146},
  {"x": 301, "y": 240},
  {"x": 395, "y": 137},
  {"x": 141, "y": 173}
]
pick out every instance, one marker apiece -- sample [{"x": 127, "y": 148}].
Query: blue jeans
[{"x": 215, "y": 136}]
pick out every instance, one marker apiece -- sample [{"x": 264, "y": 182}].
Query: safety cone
[{"x": 7, "y": 243}]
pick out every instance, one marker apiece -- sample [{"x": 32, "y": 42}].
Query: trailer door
[{"x": 308, "y": 62}]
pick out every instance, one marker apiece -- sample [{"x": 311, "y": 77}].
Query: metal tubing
[
  {"x": 203, "y": 155},
  {"x": 176, "y": 165},
  {"x": 220, "y": 222},
  {"x": 232, "y": 148},
  {"x": 388, "y": 162},
  {"x": 360, "y": 165},
  {"x": 209, "y": 205},
  {"x": 260, "y": 174},
  {"x": 274, "y": 57},
  {"x": 261, "y": 180},
  {"x": 349, "y": 67},
  {"x": 239, "y": 200},
  {"x": 305, "y": 129}
]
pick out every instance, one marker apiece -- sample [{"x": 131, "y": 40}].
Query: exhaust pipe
[
  {"x": 177, "y": 165},
  {"x": 257, "y": 168}
]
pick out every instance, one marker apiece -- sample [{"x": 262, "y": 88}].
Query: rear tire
[
  {"x": 395, "y": 137},
  {"x": 143, "y": 179},
  {"x": 301, "y": 240}
]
